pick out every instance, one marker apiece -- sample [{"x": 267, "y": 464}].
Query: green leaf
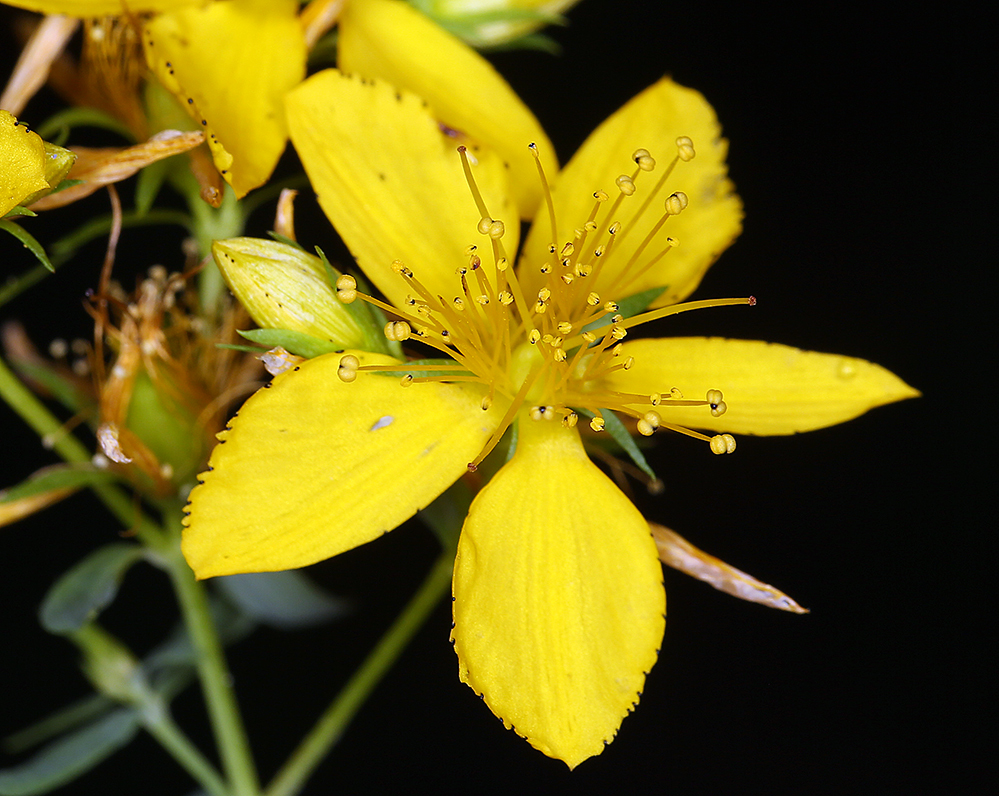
[
  {"x": 283, "y": 600},
  {"x": 66, "y": 391},
  {"x": 89, "y": 587},
  {"x": 370, "y": 318},
  {"x": 58, "y": 722},
  {"x": 298, "y": 343},
  {"x": 28, "y": 241},
  {"x": 289, "y": 242},
  {"x": 628, "y": 307},
  {"x": 58, "y": 476},
  {"x": 619, "y": 433},
  {"x": 72, "y": 755}
]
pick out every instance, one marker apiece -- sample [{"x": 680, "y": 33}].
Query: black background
[{"x": 858, "y": 147}]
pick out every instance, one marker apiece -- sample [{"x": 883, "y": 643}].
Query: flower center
[{"x": 547, "y": 354}]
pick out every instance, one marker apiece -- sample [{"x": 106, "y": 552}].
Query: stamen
[{"x": 546, "y": 191}]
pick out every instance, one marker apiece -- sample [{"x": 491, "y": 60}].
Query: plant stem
[
  {"x": 230, "y": 734},
  {"x": 331, "y": 725},
  {"x": 48, "y": 427},
  {"x": 163, "y": 728}
]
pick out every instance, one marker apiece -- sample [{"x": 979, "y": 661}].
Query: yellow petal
[
  {"x": 391, "y": 182},
  {"x": 559, "y": 606},
  {"x": 677, "y": 552},
  {"x": 769, "y": 388},
  {"x": 22, "y": 163},
  {"x": 99, "y": 8},
  {"x": 312, "y": 466},
  {"x": 653, "y": 120},
  {"x": 230, "y": 64},
  {"x": 391, "y": 40}
]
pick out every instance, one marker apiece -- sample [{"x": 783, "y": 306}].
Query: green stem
[
  {"x": 292, "y": 777},
  {"x": 48, "y": 427},
  {"x": 163, "y": 728},
  {"x": 223, "y": 711}
]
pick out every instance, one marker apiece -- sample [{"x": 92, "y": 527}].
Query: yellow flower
[
  {"x": 559, "y": 607},
  {"x": 29, "y": 166}
]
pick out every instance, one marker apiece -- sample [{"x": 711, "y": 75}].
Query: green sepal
[
  {"x": 87, "y": 588},
  {"x": 28, "y": 242},
  {"x": 72, "y": 755},
  {"x": 619, "y": 433},
  {"x": 297, "y": 343},
  {"x": 447, "y": 513},
  {"x": 368, "y": 317},
  {"x": 286, "y": 241},
  {"x": 628, "y": 307}
]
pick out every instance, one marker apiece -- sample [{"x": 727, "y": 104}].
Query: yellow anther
[
  {"x": 653, "y": 419},
  {"x": 540, "y": 307},
  {"x": 593, "y": 299},
  {"x": 459, "y": 304},
  {"x": 487, "y": 402},
  {"x": 589, "y": 337},
  {"x": 590, "y": 226},
  {"x": 399, "y": 331},
  {"x": 496, "y": 230},
  {"x": 675, "y": 203},
  {"x": 502, "y": 264},
  {"x": 567, "y": 250},
  {"x": 564, "y": 327},
  {"x": 645, "y": 428},
  {"x": 347, "y": 371},
  {"x": 505, "y": 298},
  {"x": 346, "y": 289},
  {"x": 722, "y": 443},
  {"x": 559, "y": 355},
  {"x": 482, "y": 299},
  {"x": 582, "y": 270},
  {"x": 625, "y": 185},
  {"x": 544, "y": 294},
  {"x": 542, "y": 413},
  {"x": 685, "y": 148},
  {"x": 570, "y": 420},
  {"x": 614, "y": 228},
  {"x": 568, "y": 278},
  {"x": 655, "y": 399},
  {"x": 597, "y": 423},
  {"x": 484, "y": 225},
  {"x": 716, "y": 402},
  {"x": 674, "y": 393},
  {"x": 629, "y": 363},
  {"x": 618, "y": 333},
  {"x": 534, "y": 149},
  {"x": 611, "y": 306},
  {"x": 400, "y": 268},
  {"x": 600, "y": 196},
  {"x": 644, "y": 159},
  {"x": 533, "y": 337},
  {"x": 406, "y": 380},
  {"x": 470, "y": 249}
]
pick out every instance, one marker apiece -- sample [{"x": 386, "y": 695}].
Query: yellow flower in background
[
  {"x": 559, "y": 606},
  {"x": 29, "y": 166}
]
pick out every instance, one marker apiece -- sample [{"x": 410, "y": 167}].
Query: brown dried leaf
[
  {"x": 99, "y": 167},
  {"x": 677, "y": 552}
]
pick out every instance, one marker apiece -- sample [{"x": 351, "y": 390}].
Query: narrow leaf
[
  {"x": 72, "y": 755},
  {"x": 28, "y": 241},
  {"x": 59, "y": 476},
  {"x": 86, "y": 589},
  {"x": 283, "y": 600},
  {"x": 619, "y": 433}
]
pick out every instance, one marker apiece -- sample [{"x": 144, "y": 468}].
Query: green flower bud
[
  {"x": 109, "y": 665},
  {"x": 284, "y": 287}
]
